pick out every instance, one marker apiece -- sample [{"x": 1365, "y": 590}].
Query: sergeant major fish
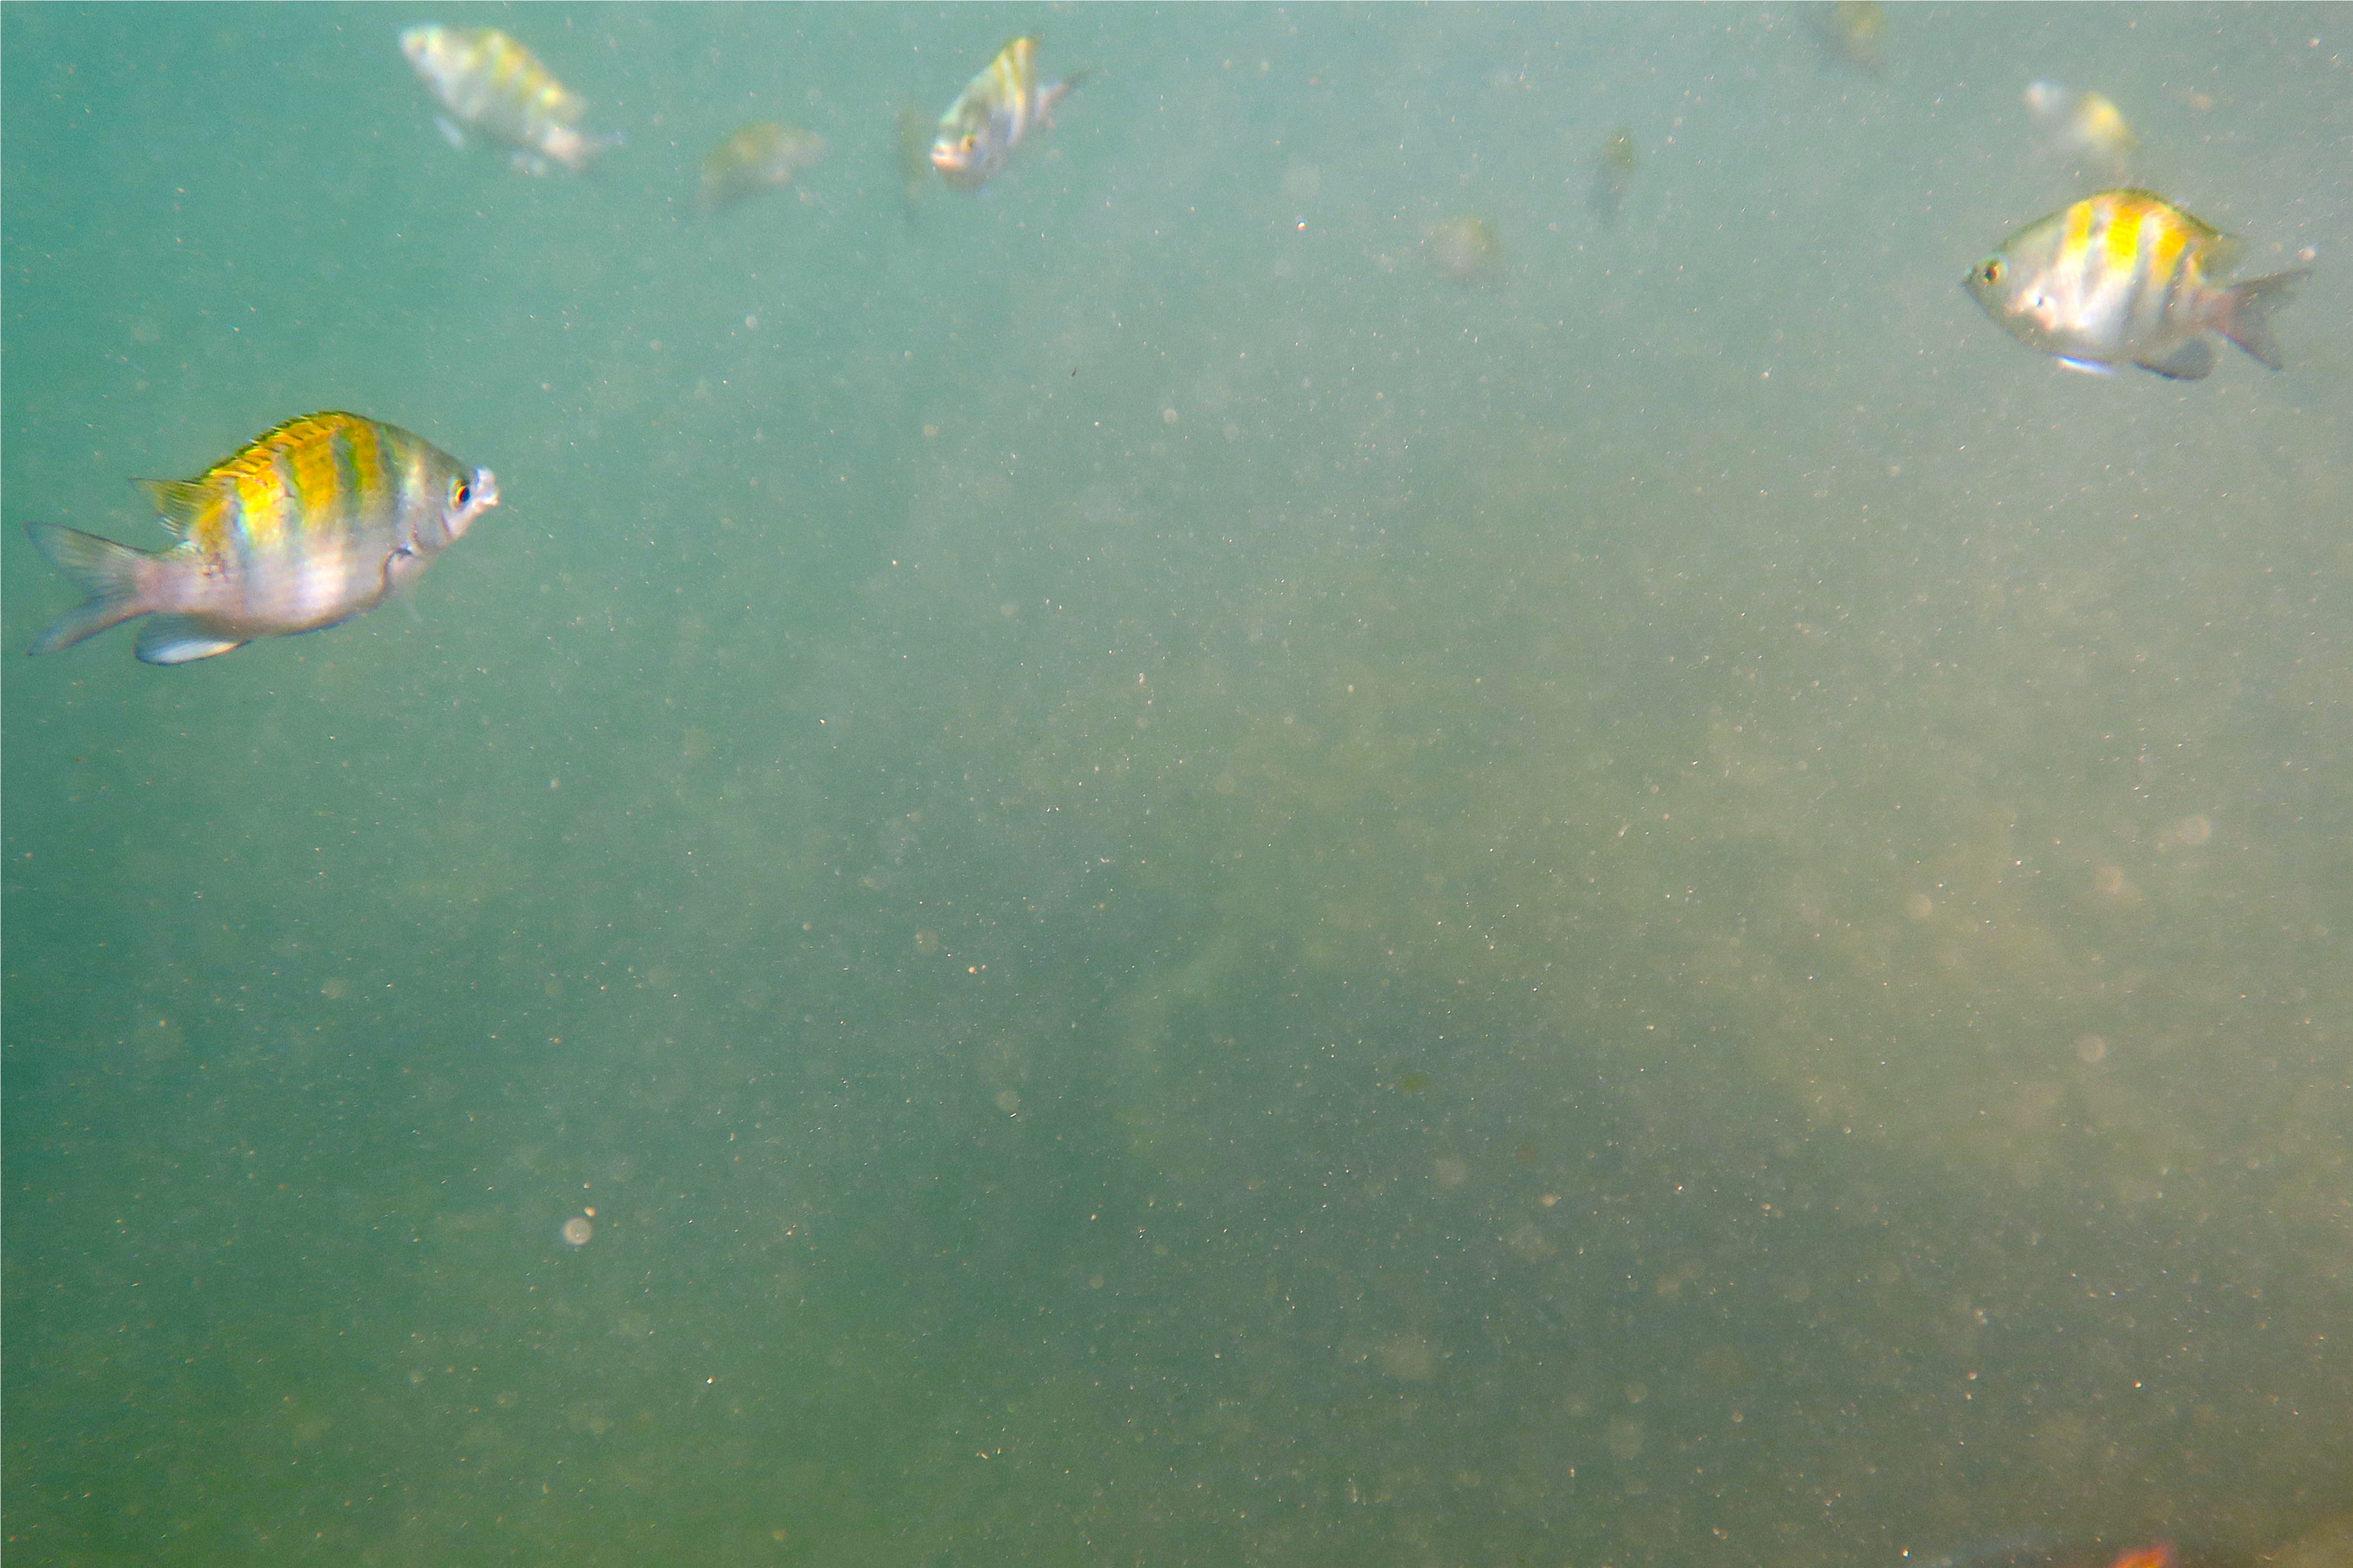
[
  {"x": 1613, "y": 172},
  {"x": 995, "y": 111},
  {"x": 310, "y": 524},
  {"x": 493, "y": 84},
  {"x": 914, "y": 140},
  {"x": 2081, "y": 126},
  {"x": 1465, "y": 250},
  {"x": 762, "y": 156},
  {"x": 1854, "y": 33},
  {"x": 2126, "y": 277}
]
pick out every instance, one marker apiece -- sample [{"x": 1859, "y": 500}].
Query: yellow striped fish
[
  {"x": 2126, "y": 277},
  {"x": 995, "y": 111},
  {"x": 308, "y": 525},
  {"x": 493, "y": 84}
]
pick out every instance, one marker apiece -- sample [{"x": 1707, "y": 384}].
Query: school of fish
[
  {"x": 324, "y": 517},
  {"x": 327, "y": 515}
]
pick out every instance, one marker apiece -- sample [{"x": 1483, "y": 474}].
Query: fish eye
[
  {"x": 461, "y": 490},
  {"x": 1990, "y": 269}
]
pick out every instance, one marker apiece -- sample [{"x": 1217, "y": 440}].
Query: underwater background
[{"x": 1174, "y": 889}]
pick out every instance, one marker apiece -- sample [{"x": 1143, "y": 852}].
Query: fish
[
  {"x": 1854, "y": 33},
  {"x": 995, "y": 111},
  {"x": 762, "y": 156},
  {"x": 2128, "y": 278},
  {"x": 1465, "y": 250},
  {"x": 304, "y": 527},
  {"x": 1613, "y": 171},
  {"x": 2081, "y": 126},
  {"x": 2039, "y": 1552},
  {"x": 492, "y": 84},
  {"x": 915, "y": 130}
]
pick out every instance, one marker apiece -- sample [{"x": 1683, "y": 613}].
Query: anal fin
[
  {"x": 2192, "y": 359},
  {"x": 179, "y": 639}
]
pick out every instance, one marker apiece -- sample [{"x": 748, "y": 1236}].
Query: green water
[{"x": 1182, "y": 894}]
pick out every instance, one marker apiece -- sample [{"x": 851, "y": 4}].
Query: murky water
[{"x": 1169, "y": 888}]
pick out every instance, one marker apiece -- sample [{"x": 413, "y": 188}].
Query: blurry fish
[
  {"x": 1613, "y": 171},
  {"x": 1466, "y": 250},
  {"x": 2036, "y": 1552},
  {"x": 2083, "y": 126},
  {"x": 914, "y": 155},
  {"x": 2042, "y": 1552},
  {"x": 762, "y": 156},
  {"x": 309, "y": 525},
  {"x": 995, "y": 111},
  {"x": 493, "y": 84},
  {"x": 1854, "y": 33},
  {"x": 2126, "y": 277}
]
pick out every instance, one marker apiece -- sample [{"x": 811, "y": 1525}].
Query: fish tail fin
[
  {"x": 121, "y": 583},
  {"x": 576, "y": 150},
  {"x": 2241, "y": 311}
]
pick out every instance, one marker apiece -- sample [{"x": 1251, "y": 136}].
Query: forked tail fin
[
  {"x": 118, "y": 580},
  {"x": 2242, "y": 311}
]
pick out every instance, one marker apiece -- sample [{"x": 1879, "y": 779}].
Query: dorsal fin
[
  {"x": 177, "y": 502},
  {"x": 181, "y": 504},
  {"x": 292, "y": 432}
]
